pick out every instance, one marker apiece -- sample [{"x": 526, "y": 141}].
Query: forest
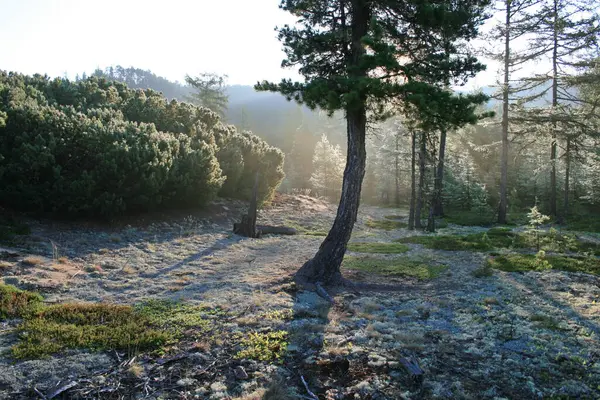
[{"x": 374, "y": 228}]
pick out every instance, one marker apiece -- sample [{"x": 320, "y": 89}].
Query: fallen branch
[
  {"x": 276, "y": 230},
  {"x": 311, "y": 394}
]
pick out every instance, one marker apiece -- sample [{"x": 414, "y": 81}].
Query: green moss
[
  {"x": 529, "y": 262},
  {"x": 90, "y": 326},
  {"x": 270, "y": 346},
  {"x": 545, "y": 321},
  {"x": 150, "y": 325},
  {"x": 469, "y": 218},
  {"x": 392, "y": 217},
  {"x": 179, "y": 318},
  {"x": 378, "y": 247},
  {"x": 475, "y": 242},
  {"x": 16, "y": 303},
  {"x": 386, "y": 224},
  {"x": 415, "y": 268}
]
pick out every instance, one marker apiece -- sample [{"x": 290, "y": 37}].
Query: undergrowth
[
  {"x": 416, "y": 268},
  {"x": 46, "y": 330},
  {"x": 505, "y": 238},
  {"x": 269, "y": 346},
  {"x": 540, "y": 262}
]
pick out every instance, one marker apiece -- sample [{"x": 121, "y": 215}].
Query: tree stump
[{"x": 248, "y": 225}]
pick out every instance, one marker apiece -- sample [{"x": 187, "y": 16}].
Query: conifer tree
[
  {"x": 209, "y": 92},
  {"x": 327, "y": 165},
  {"x": 515, "y": 22},
  {"x": 355, "y": 56},
  {"x": 565, "y": 32}
]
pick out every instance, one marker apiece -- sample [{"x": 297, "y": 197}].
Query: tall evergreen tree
[
  {"x": 515, "y": 22},
  {"x": 356, "y": 55},
  {"x": 209, "y": 92},
  {"x": 565, "y": 32}
]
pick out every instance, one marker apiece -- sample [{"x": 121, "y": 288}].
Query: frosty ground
[{"x": 508, "y": 335}]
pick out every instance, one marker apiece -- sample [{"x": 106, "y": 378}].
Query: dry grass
[
  {"x": 5, "y": 265},
  {"x": 33, "y": 261},
  {"x": 63, "y": 260}
]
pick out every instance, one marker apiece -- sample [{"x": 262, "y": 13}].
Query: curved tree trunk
[{"x": 324, "y": 267}]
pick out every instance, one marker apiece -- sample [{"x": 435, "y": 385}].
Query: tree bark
[
  {"x": 324, "y": 267},
  {"x": 438, "y": 206},
  {"x": 419, "y": 205},
  {"x": 502, "y": 208},
  {"x": 413, "y": 189},
  {"x": 397, "y": 171},
  {"x": 248, "y": 225},
  {"x": 567, "y": 178},
  {"x": 553, "y": 146}
]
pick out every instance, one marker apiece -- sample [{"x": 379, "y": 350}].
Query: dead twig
[{"x": 311, "y": 394}]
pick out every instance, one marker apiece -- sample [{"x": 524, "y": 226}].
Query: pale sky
[{"x": 171, "y": 38}]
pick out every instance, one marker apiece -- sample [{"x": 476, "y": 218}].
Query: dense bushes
[{"x": 95, "y": 147}]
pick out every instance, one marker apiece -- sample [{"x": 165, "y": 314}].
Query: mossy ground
[
  {"x": 505, "y": 238},
  {"x": 530, "y": 262},
  {"x": 385, "y": 224},
  {"x": 378, "y": 247},
  {"x": 416, "y": 268},
  {"x": 15, "y": 303},
  {"x": 269, "y": 346},
  {"x": 47, "y": 330}
]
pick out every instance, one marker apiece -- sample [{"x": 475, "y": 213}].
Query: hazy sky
[{"x": 171, "y": 38}]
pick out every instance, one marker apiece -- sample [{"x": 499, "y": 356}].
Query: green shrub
[
  {"x": 539, "y": 262},
  {"x": 97, "y": 148},
  {"x": 90, "y": 326},
  {"x": 16, "y": 303}
]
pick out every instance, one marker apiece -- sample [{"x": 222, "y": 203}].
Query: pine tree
[
  {"x": 327, "y": 164},
  {"x": 516, "y": 22},
  {"x": 355, "y": 55},
  {"x": 565, "y": 32},
  {"x": 209, "y": 92}
]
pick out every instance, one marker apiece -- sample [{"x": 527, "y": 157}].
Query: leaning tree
[{"x": 356, "y": 56}]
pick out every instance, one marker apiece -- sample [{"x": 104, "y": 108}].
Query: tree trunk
[
  {"x": 324, "y": 267},
  {"x": 397, "y": 171},
  {"x": 413, "y": 189},
  {"x": 553, "y": 146},
  {"x": 504, "y": 160},
  {"x": 567, "y": 178},
  {"x": 438, "y": 206},
  {"x": 419, "y": 206},
  {"x": 248, "y": 225}
]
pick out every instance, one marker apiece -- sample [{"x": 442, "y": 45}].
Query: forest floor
[{"x": 475, "y": 336}]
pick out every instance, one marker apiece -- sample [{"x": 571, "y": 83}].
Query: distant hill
[{"x": 269, "y": 115}]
